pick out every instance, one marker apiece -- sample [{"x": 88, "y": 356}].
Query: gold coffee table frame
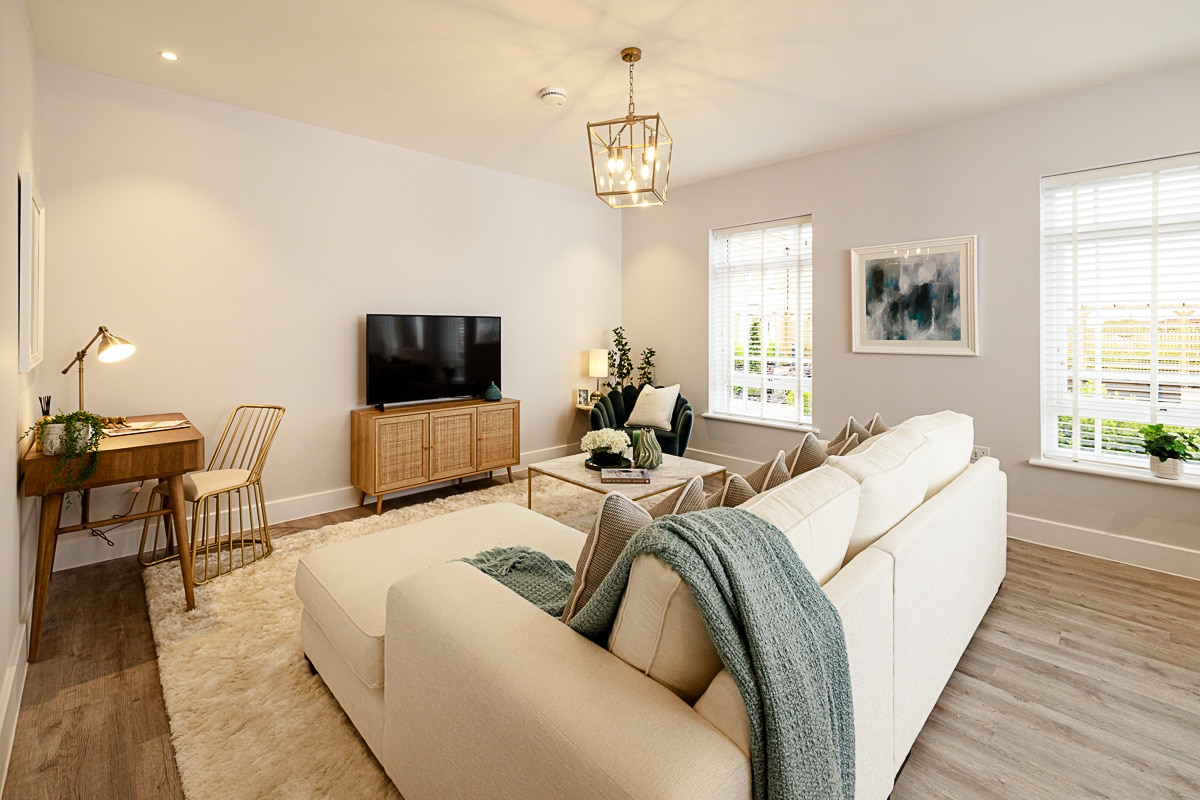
[{"x": 674, "y": 472}]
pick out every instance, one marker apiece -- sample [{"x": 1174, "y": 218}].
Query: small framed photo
[
  {"x": 915, "y": 297},
  {"x": 583, "y": 397}
]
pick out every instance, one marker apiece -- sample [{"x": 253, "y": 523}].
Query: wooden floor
[{"x": 1082, "y": 682}]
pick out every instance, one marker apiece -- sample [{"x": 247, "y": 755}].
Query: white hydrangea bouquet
[{"x": 605, "y": 440}]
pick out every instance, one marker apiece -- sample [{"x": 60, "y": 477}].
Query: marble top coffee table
[{"x": 672, "y": 473}]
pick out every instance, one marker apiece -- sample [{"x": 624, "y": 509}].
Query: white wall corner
[{"x": 1157, "y": 556}]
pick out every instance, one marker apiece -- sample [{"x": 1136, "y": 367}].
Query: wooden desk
[{"x": 123, "y": 459}]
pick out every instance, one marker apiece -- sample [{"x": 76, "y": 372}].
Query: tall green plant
[
  {"x": 620, "y": 364},
  {"x": 646, "y": 367}
]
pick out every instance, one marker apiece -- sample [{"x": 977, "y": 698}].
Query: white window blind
[
  {"x": 1120, "y": 307},
  {"x": 760, "y": 321}
]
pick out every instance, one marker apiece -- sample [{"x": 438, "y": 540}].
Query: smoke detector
[{"x": 553, "y": 95}]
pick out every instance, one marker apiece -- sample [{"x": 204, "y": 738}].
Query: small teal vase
[
  {"x": 647, "y": 453},
  {"x": 492, "y": 392}
]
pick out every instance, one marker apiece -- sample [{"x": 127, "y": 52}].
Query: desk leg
[
  {"x": 175, "y": 492},
  {"x": 529, "y": 479},
  {"x": 47, "y": 541}
]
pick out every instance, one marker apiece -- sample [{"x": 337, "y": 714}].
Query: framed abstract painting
[{"x": 915, "y": 297}]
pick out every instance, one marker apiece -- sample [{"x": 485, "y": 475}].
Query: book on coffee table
[{"x": 612, "y": 475}]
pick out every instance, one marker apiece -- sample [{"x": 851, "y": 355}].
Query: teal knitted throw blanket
[
  {"x": 540, "y": 579},
  {"x": 777, "y": 633}
]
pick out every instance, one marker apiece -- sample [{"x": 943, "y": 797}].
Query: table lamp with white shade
[{"x": 597, "y": 368}]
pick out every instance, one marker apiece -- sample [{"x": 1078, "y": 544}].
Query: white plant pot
[
  {"x": 54, "y": 439},
  {"x": 1171, "y": 469}
]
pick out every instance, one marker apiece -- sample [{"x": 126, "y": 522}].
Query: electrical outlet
[{"x": 978, "y": 452}]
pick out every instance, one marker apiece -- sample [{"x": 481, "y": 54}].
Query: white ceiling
[{"x": 739, "y": 84}]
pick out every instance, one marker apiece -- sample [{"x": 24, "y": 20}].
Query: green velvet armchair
[{"x": 612, "y": 409}]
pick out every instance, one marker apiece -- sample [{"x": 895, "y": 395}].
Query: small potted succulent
[
  {"x": 607, "y": 447},
  {"x": 74, "y": 438},
  {"x": 1168, "y": 450}
]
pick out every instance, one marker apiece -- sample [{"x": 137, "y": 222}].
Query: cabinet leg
[
  {"x": 510, "y": 474},
  {"x": 379, "y": 505},
  {"x": 362, "y": 499}
]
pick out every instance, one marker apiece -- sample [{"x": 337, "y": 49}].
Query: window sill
[
  {"x": 1110, "y": 471},
  {"x": 797, "y": 427}
]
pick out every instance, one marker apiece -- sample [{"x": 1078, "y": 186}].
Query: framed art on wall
[
  {"x": 915, "y": 297},
  {"x": 31, "y": 280}
]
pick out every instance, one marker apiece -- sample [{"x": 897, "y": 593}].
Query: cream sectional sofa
[{"x": 463, "y": 689}]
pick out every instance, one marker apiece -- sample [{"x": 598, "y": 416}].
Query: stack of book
[{"x": 624, "y": 476}]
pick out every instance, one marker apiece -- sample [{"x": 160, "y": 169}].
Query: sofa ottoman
[{"x": 344, "y": 591}]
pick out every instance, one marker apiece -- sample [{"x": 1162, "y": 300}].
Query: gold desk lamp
[{"x": 112, "y": 348}]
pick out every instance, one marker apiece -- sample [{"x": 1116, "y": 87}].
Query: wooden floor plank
[{"x": 1082, "y": 682}]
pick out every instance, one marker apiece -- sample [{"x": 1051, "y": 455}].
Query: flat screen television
[{"x": 422, "y": 357}]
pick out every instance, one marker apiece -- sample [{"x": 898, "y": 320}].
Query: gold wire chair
[{"x": 234, "y": 473}]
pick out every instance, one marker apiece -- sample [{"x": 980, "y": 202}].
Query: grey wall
[{"x": 975, "y": 176}]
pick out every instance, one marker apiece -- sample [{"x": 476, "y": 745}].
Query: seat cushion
[
  {"x": 344, "y": 586},
  {"x": 198, "y": 484}
]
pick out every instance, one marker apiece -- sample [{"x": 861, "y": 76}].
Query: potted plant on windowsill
[
  {"x": 1168, "y": 450},
  {"x": 74, "y": 439}
]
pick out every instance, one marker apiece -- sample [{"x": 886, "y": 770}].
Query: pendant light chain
[{"x": 631, "y": 88}]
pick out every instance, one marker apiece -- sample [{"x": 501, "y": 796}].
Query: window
[
  {"x": 760, "y": 321},
  {"x": 1120, "y": 307}
]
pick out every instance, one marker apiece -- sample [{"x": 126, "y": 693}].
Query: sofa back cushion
[
  {"x": 952, "y": 435},
  {"x": 817, "y": 512},
  {"x": 893, "y": 471},
  {"x": 659, "y": 630}
]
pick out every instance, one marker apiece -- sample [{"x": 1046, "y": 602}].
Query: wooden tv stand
[{"x": 416, "y": 445}]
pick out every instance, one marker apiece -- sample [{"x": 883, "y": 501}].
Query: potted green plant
[
  {"x": 75, "y": 439},
  {"x": 1168, "y": 450}
]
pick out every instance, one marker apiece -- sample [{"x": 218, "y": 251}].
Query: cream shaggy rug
[{"x": 248, "y": 719}]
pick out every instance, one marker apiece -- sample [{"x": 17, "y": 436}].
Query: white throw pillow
[{"x": 654, "y": 408}]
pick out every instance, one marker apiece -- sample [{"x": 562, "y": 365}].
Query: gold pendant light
[{"x": 631, "y": 155}]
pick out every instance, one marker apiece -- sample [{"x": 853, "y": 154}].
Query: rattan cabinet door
[
  {"x": 499, "y": 436},
  {"x": 451, "y": 443},
  {"x": 400, "y": 450}
]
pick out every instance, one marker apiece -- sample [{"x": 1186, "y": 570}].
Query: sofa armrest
[
  {"x": 862, "y": 593},
  {"x": 487, "y": 696},
  {"x": 683, "y": 428},
  {"x": 949, "y": 556}
]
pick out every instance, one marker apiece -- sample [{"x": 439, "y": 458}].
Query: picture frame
[
  {"x": 583, "y": 397},
  {"x": 31, "y": 273},
  {"x": 917, "y": 298}
]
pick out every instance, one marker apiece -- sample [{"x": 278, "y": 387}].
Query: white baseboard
[
  {"x": 10, "y": 697},
  {"x": 1109, "y": 546},
  {"x": 742, "y": 466},
  {"x": 81, "y": 548}
]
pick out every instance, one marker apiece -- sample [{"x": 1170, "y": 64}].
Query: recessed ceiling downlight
[{"x": 168, "y": 55}]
